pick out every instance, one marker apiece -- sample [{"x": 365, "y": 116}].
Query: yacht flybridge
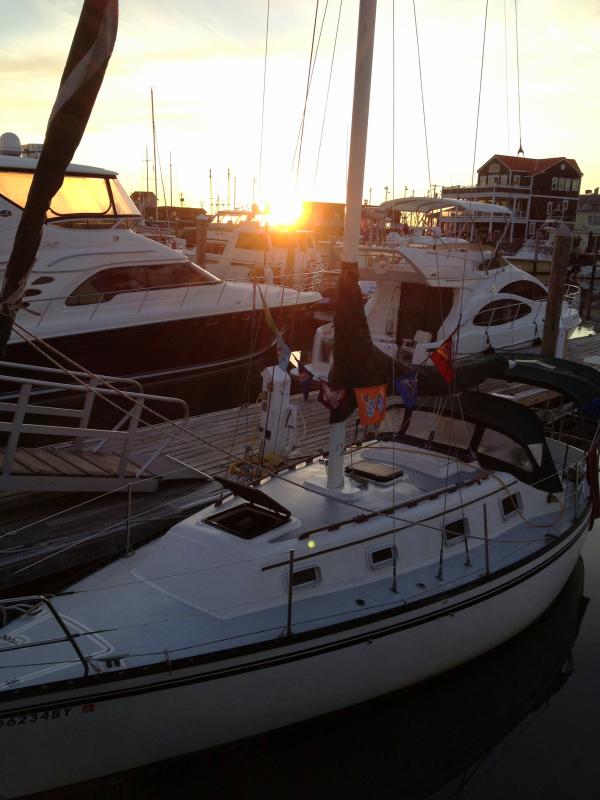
[
  {"x": 118, "y": 303},
  {"x": 428, "y": 287},
  {"x": 242, "y": 245}
]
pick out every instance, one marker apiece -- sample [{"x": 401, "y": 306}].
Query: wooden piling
[{"x": 563, "y": 242}]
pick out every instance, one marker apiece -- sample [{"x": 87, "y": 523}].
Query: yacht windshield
[{"x": 93, "y": 195}]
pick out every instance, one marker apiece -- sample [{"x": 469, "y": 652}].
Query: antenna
[
  {"x": 170, "y": 181},
  {"x": 228, "y": 188},
  {"x": 212, "y": 210}
]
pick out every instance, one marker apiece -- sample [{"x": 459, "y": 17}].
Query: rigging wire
[
  {"x": 520, "y": 151},
  {"x": 506, "y": 80},
  {"x": 262, "y": 117},
  {"x": 313, "y": 53},
  {"x": 422, "y": 93},
  {"x": 479, "y": 94},
  {"x": 328, "y": 88}
]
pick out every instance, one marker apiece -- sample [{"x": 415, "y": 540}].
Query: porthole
[
  {"x": 381, "y": 556},
  {"x": 456, "y": 530},
  {"x": 305, "y": 578},
  {"x": 511, "y": 504}
]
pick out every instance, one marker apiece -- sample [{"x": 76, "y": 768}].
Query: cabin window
[
  {"x": 511, "y": 504},
  {"x": 502, "y": 448},
  {"x": 422, "y": 308},
  {"x": 247, "y": 521},
  {"x": 305, "y": 577},
  {"x": 456, "y": 530},
  {"x": 215, "y": 248},
  {"x": 104, "y": 285},
  {"x": 567, "y": 184},
  {"x": 527, "y": 289},
  {"x": 381, "y": 556},
  {"x": 252, "y": 241},
  {"x": 501, "y": 312},
  {"x": 32, "y": 292},
  {"x": 42, "y": 279},
  {"x": 430, "y": 428}
]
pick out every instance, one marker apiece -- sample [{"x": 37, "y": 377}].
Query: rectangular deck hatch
[{"x": 374, "y": 471}]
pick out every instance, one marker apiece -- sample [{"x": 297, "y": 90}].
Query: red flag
[
  {"x": 442, "y": 358},
  {"x": 371, "y": 404}
]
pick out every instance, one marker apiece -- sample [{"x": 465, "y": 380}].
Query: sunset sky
[{"x": 205, "y": 60}]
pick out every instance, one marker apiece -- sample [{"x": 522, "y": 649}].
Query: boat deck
[{"x": 211, "y": 443}]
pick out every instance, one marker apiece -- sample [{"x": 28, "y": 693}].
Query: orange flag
[
  {"x": 371, "y": 404},
  {"x": 442, "y": 358}
]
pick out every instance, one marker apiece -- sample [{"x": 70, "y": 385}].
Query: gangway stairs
[{"x": 79, "y": 461}]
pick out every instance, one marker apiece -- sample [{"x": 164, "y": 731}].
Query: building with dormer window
[{"x": 535, "y": 189}]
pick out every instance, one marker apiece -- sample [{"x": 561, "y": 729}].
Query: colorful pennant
[
  {"x": 371, "y": 404},
  {"x": 406, "y": 387}
]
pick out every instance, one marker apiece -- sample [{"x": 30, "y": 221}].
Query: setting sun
[{"x": 285, "y": 211}]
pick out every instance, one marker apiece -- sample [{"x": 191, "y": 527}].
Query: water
[{"x": 521, "y": 722}]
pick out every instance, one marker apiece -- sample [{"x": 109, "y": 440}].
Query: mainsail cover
[
  {"x": 358, "y": 362},
  {"x": 90, "y": 53}
]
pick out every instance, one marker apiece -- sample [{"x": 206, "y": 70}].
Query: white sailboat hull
[{"x": 111, "y": 723}]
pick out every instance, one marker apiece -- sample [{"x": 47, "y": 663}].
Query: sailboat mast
[
  {"x": 354, "y": 194},
  {"x": 154, "y": 149}
]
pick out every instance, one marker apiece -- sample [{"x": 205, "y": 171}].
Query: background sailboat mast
[
  {"x": 154, "y": 149},
  {"x": 354, "y": 193}
]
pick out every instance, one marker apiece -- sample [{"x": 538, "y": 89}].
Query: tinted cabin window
[
  {"x": 252, "y": 241},
  {"x": 501, "y": 312},
  {"x": 422, "y": 308},
  {"x": 309, "y": 576},
  {"x": 104, "y": 285},
  {"x": 527, "y": 289},
  {"x": 381, "y": 557},
  {"x": 456, "y": 530},
  {"x": 511, "y": 504},
  {"x": 501, "y": 448}
]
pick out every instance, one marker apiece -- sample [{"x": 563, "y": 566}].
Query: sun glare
[{"x": 285, "y": 211}]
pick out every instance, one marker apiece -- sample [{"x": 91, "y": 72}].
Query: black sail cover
[{"x": 358, "y": 362}]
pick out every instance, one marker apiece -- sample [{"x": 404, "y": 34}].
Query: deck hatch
[{"x": 374, "y": 471}]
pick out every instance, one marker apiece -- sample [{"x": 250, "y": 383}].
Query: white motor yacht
[
  {"x": 422, "y": 293},
  {"x": 121, "y": 304},
  {"x": 242, "y": 245}
]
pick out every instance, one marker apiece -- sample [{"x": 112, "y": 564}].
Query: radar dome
[{"x": 10, "y": 145}]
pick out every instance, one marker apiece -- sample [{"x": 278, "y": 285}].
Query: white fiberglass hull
[{"x": 97, "y": 726}]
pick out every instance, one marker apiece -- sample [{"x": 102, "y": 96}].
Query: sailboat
[{"x": 324, "y": 586}]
